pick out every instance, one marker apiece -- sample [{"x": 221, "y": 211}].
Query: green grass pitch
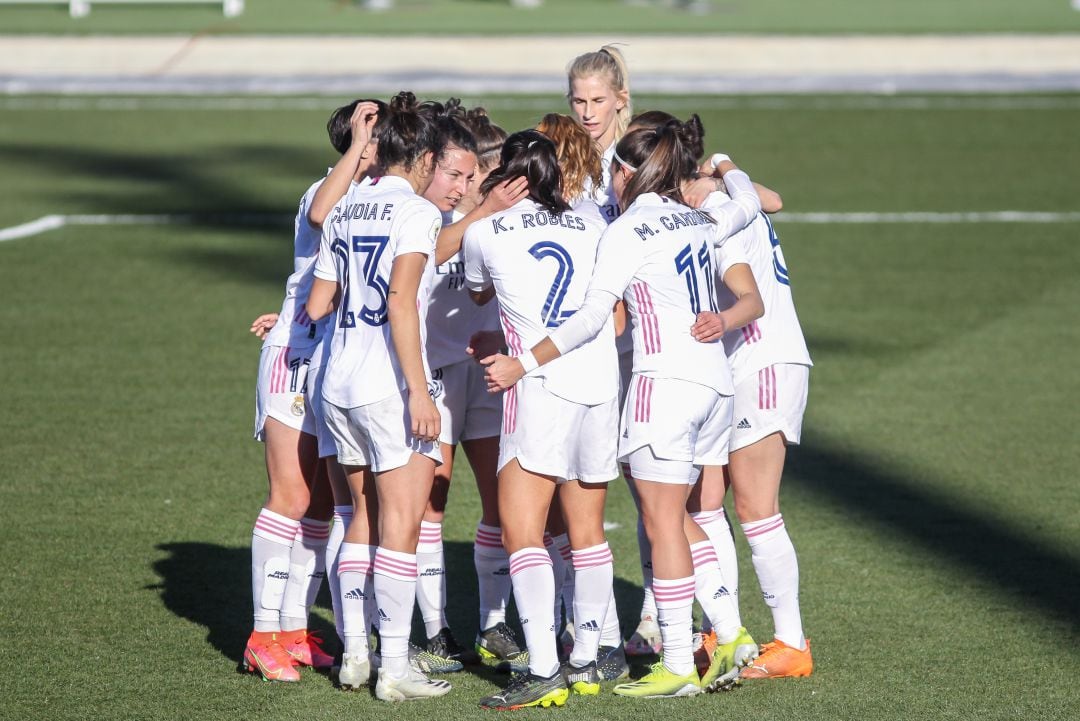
[
  {"x": 934, "y": 503},
  {"x": 617, "y": 17}
]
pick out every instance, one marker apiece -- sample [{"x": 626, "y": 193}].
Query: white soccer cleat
[
  {"x": 413, "y": 686},
  {"x": 646, "y": 640},
  {"x": 355, "y": 671}
]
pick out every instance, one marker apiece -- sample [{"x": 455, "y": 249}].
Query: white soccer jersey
[
  {"x": 452, "y": 316},
  {"x": 776, "y": 337},
  {"x": 658, "y": 257},
  {"x": 294, "y": 328},
  {"x": 365, "y": 232},
  {"x": 540, "y": 265}
]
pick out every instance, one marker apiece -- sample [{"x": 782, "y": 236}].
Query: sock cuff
[
  {"x": 759, "y": 531},
  {"x": 488, "y": 543},
  {"x": 703, "y": 553},
  {"x": 395, "y": 564},
  {"x": 355, "y": 558},
  {"x": 562, "y": 544},
  {"x": 592, "y": 556},
  {"x": 343, "y": 511},
  {"x": 673, "y": 593},
  {"x": 313, "y": 531},
  {"x": 430, "y": 537},
  {"x": 527, "y": 558},
  {"x": 276, "y": 527},
  {"x": 703, "y": 518}
]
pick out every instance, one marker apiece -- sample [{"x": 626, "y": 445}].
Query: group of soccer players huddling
[{"x": 453, "y": 285}]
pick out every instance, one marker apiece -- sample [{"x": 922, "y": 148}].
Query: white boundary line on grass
[
  {"x": 54, "y": 222},
  {"x": 503, "y": 102}
]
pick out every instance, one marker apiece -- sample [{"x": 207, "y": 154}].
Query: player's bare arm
[
  {"x": 404, "y": 318},
  {"x": 748, "y": 306},
  {"x": 352, "y": 164}
]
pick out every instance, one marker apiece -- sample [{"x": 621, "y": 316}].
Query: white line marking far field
[
  {"x": 506, "y": 103},
  {"x": 54, "y": 222}
]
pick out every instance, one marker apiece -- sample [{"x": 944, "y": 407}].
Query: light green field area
[
  {"x": 933, "y": 503},
  {"x": 561, "y": 17}
]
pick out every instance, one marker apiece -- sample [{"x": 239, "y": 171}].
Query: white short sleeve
[
  {"x": 325, "y": 267},
  {"x": 732, "y": 252},
  {"x": 477, "y": 277},
  {"x": 418, "y": 229}
]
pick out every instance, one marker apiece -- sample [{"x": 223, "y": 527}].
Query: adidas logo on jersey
[
  {"x": 355, "y": 595},
  {"x": 721, "y": 592},
  {"x": 744, "y": 425},
  {"x": 590, "y": 626}
]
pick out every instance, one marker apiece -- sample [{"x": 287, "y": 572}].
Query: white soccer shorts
[
  {"x": 772, "y": 400},
  {"x": 552, "y": 436},
  {"x": 468, "y": 411},
  {"x": 282, "y": 390},
  {"x": 671, "y": 428},
  {"x": 377, "y": 434},
  {"x": 327, "y": 446}
]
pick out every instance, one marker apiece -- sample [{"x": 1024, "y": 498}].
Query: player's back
[
  {"x": 671, "y": 281},
  {"x": 365, "y": 232},
  {"x": 540, "y": 264},
  {"x": 776, "y": 337}
]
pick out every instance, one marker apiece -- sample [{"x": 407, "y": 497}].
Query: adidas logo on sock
[
  {"x": 721, "y": 592},
  {"x": 279, "y": 575},
  {"x": 590, "y": 626},
  {"x": 383, "y": 616},
  {"x": 355, "y": 595},
  {"x": 501, "y": 572},
  {"x": 744, "y": 425},
  {"x": 432, "y": 572}
]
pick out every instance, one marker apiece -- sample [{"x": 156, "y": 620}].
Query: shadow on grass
[
  {"x": 1034, "y": 573},
  {"x": 210, "y": 585}
]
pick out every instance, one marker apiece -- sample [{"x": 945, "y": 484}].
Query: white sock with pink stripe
[
  {"x": 595, "y": 574},
  {"x": 534, "y": 593},
  {"x": 712, "y": 593},
  {"x": 558, "y": 548},
  {"x": 648, "y": 604},
  {"x": 355, "y": 565},
  {"x": 342, "y": 518},
  {"x": 492, "y": 575},
  {"x": 777, "y": 570},
  {"x": 716, "y": 527},
  {"x": 307, "y": 568},
  {"x": 271, "y": 543},
  {"x": 395, "y": 595},
  {"x": 675, "y": 608},
  {"x": 431, "y": 578}
]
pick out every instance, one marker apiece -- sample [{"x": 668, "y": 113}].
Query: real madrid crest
[{"x": 298, "y": 406}]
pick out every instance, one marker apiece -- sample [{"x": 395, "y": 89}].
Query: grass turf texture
[
  {"x": 559, "y": 16},
  {"x": 933, "y": 504}
]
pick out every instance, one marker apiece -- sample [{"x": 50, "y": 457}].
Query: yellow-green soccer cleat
[
  {"x": 660, "y": 683},
  {"x": 527, "y": 690},
  {"x": 584, "y": 681},
  {"x": 728, "y": 660}
]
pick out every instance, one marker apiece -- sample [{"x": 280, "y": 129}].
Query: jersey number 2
[{"x": 552, "y": 313}]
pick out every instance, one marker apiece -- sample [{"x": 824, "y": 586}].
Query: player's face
[
  {"x": 595, "y": 104},
  {"x": 478, "y": 180},
  {"x": 453, "y": 175}
]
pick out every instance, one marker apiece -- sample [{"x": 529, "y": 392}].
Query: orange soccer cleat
[
  {"x": 265, "y": 654},
  {"x": 778, "y": 660},
  {"x": 306, "y": 649}
]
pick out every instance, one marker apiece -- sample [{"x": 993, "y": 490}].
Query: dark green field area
[
  {"x": 934, "y": 502},
  {"x": 561, "y": 17}
]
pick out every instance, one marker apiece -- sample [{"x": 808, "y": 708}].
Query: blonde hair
[
  {"x": 607, "y": 63},
  {"x": 578, "y": 156}
]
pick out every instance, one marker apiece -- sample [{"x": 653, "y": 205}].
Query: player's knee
[{"x": 750, "y": 510}]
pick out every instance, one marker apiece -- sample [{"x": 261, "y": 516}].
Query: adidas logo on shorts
[{"x": 744, "y": 425}]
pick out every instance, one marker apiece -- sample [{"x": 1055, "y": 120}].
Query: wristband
[
  {"x": 718, "y": 158},
  {"x": 528, "y": 361}
]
